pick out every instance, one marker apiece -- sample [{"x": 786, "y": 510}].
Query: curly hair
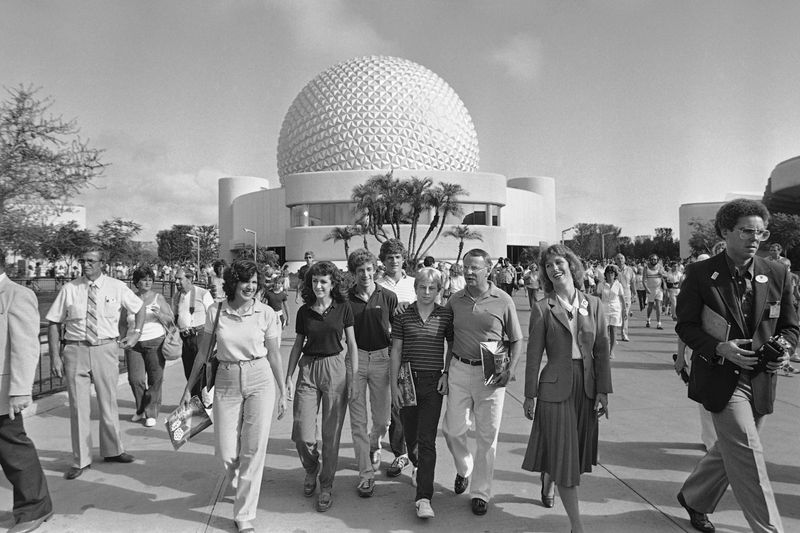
[
  {"x": 323, "y": 268},
  {"x": 143, "y": 272},
  {"x": 730, "y": 213},
  {"x": 240, "y": 270},
  {"x": 219, "y": 267},
  {"x": 360, "y": 257},
  {"x": 612, "y": 269},
  {"x": 391, "y": 247},
  {"x": 575, "y": 267}
]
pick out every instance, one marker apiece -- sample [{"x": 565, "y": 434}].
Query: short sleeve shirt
[
  {"x": 323, "y": 332},
  {"x": 423, "y": 342},
  {"x": 490, "y": 317},
  {"x": 241, "y": 337},
  {"x": 372, "y": 318},
  {"x": 275, "y": 300},
  {"x": 404, "y": 288},
  {"x": 71, "y": 304}
]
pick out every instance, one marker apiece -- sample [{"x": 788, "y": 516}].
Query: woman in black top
[{"x": 323, "y": 377}]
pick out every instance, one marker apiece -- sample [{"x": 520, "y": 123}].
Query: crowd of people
[{"x": 394, "y": 348}]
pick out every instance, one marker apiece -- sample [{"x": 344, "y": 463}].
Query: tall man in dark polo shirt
[
  {"x": 753, "y": 296},
  {"x": 373, "y": 307},
  {"x": 481, "y": 312}
]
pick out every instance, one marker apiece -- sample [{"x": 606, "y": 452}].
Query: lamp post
[
  {"x": 603, "y": 243},
  {"x": 563, "y": 231},
  {"x": 196, "y": 237},
  {"x": 255, "y": 244}
]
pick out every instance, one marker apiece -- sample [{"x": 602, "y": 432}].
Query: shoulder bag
[{"x": 209, "y": 371}]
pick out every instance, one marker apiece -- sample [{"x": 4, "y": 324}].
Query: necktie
[{"x": 91, "y": 315}]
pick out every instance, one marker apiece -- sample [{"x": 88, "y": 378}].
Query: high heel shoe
[{"x": 548, "y": 494}]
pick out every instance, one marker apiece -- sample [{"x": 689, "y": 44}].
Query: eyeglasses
[
  {"x": 473, "y": 269},
  {"x": 747, "y": 234}
]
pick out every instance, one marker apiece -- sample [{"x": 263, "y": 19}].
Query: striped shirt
[{"x": 423, "y": 342}]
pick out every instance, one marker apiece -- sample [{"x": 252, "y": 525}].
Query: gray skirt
[{"x": 563, "y": 441}]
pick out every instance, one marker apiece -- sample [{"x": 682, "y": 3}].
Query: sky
[{"x": 633, "y": 106}]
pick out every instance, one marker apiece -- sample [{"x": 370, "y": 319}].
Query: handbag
[
  {"x": 172, "y": 346},
  {"x": 209, "y": 371},
  {"x": 187, "y": 421}
]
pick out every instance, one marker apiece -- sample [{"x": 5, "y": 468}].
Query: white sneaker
[
  {"x": 136, "y": 417},
  {"x": 424, "y": 509},
  {"x": 414, "y": 477},
  {"x": 150, "y": 422}
]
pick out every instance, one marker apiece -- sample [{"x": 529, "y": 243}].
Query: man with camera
[{"x": 735, "y": 312}]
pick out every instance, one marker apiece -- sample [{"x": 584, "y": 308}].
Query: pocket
[
  {"x": 111, "y": 308},
  {"x": 548, "y": 377}
]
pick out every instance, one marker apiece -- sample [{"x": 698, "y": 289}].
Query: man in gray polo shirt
[{"x": 481, "y": 312}]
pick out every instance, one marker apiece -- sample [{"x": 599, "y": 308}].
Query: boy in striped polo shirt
[{"x": 418, "y": 336}]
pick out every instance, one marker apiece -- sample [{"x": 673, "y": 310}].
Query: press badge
[{"x": 775, "y": 310}]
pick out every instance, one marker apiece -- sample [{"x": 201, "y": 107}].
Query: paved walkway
[{"x": 647, "y": 448}]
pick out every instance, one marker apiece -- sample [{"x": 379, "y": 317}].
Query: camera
[{"x": 771, "y": 351}]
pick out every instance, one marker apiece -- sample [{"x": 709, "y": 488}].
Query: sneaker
[
  {"x": 424, "y": 509},
  {"x": 626, "y": 339},
  {"x": 136, "y": 417},
  {"x": 414, "y": 477},
  {"x": 398, "y": 465},
  {"x": 366, "y": 488},
  {"x": 150, "y": 422},
  {"x": 795, "y": 358},
  {"x": 659, "y": 326},
  {"x": 375, "y": 459},
  {"x": 647, "y": 324}
]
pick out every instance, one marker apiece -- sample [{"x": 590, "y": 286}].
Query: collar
[
  {"x": 98, "y": 282},
  {"x": 353, "y": 292},
  {"x": 247, "y": 312},
  {"x": 491, "y": 292},
  {"x": 392, "y": 281},
  {"x": 734, "y": 269},
  {"x": 3, "y": 277}
]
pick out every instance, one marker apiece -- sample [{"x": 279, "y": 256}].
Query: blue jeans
[
  {"x": 145, "y": 375},
  {"x": 419, "y": 425}
]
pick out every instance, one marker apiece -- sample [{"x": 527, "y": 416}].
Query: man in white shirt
[
  {"x": 392, "y": 255},
  {"x": 190, "y": 304},
  {"x": 89, "y": 308}
]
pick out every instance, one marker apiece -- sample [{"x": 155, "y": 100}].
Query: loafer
[
  {"x": 698, "y": 520},
  {"x": 30, "y": 525},
  {"x": 478, "y": 506},
  {"x": 75, "y": 472},
  {"x": 460, "y": 484},
  {"x": 310, "y": 482},
  {"x": 397, "y": 466},
  {"x": 324, "y": 501},
  {"x": 121, "y": 458},
  {"x": 366, "y": 488}
]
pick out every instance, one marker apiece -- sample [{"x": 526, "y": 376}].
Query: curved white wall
[
  {"x": 686, "y": 212},
  {"x": 530, "y": 214},
  {"x": 230, "y": 188}
]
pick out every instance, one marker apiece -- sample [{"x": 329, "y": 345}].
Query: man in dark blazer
[
  {"x": 753, "y": 296},
  {"x": 19, "y": 355}
]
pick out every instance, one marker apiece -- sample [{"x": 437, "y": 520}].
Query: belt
[
  {"x": 100, "y": 342},
  {"x": 470, "y": 362},
  {"x": 319, "y": 356},
  {"x": 191, "y": 332},
  {"x": 239, "y": 363}
]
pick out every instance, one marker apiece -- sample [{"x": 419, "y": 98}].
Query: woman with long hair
[
  {"x": 571, "y": 393},
  {"x": 323, "y": 379},
  {"x": 249, "y": 373}
]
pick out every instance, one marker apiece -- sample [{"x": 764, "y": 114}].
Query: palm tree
[
  {"x": 463, "y": 233},
  {"x": 443, "y": 199},
  {"x": 343, "y": 234}
]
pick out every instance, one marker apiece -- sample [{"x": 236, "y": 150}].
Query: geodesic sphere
[{"x": 377, "y": 113}]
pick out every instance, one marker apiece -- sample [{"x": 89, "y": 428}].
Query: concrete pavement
[{"x": 647, "y": 449}]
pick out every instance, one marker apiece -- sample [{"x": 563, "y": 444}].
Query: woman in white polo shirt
[{"x": 250, "y": 369}]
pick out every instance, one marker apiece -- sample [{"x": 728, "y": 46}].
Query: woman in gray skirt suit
[{"x": 571, "y": 393}]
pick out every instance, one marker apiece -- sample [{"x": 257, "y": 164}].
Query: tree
[
  {"x": 385, "y": 201},
  {"x": 174, "y": 246},
  {"x": 66, "y": 241},
  {"x": 343, "y": 234},
  {"x": 665, "y": 245},
  {"x": 703, "y": 236},
  {"x": 115, "y": 236},
  {"x": 209, "y": 242},
  {"x": 463, "y": 233},
  {"x": 43, "y": 162},
  {"x": 529, "y": 254},
  {"x": 265, "y": 255},
  {"x": 587, "y": 240},
  {"x": 785, "y": 229}
]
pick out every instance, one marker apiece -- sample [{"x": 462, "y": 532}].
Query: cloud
[
  {"x": 521, "y": 57},
  {"x": 329, "y": 29}
]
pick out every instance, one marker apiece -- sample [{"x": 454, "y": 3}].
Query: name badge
[
  {"x": 775, "y": 310},
  {"x": 761, "y": 278},
  {"x": 583, "y": 311}
]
